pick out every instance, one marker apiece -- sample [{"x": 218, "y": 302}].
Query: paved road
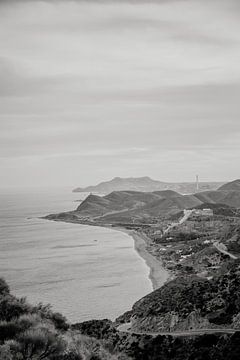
[
  {"x": 181, "y": 221},
  {"x": 127, "y": 329},
  {"x": 223, "y": 249}
]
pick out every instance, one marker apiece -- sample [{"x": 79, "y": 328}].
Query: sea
[{"x": 84, "y": 272}]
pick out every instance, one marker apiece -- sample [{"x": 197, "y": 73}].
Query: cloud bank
[{"x": 95, "y": 89}]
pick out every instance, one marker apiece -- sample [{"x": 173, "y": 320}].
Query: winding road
[
  {"x": 223, "y": 249},
  {"x": 187, "y": 214},
  {"x": 126, "y": 328}
]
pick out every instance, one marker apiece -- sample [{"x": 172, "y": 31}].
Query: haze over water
[{"x": 84, "y": 272}]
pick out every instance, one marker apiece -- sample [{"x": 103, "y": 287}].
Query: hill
[
  {"x": 130, "y": 206},
  {"x": 191, "y": 302},
  {"x": 146, "y": 184},
  {"x": 125, "y": 205},
  {"x": 120, "y": 206},
  {"x": 233, "y": 185},
  {"x": 36, "y": 332},
  {"x": 226, "y": 197}
]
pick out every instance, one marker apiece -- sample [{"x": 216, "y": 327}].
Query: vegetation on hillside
[
  {"x": 37, "y": 333},
  {"x": 217, "y": 300},
  {"x": 145, "y": 347}
]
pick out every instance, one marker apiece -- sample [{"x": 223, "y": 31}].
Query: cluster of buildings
[{"x": 199, "y": 212}]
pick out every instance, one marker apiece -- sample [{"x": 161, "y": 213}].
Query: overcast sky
[{"x": 90, "y": 90}]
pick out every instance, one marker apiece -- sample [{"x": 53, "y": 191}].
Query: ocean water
[{"x": 84, "y": 272}]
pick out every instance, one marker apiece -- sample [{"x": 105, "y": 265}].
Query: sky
[{"x": 90, "y": 90}]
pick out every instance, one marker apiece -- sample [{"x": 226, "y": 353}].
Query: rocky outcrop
[
  {"x": 171, "y": 322},
  {"x": 191, "y": 303}
]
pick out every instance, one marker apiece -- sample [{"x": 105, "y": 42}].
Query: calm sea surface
[{"x": 84, "y": 272}]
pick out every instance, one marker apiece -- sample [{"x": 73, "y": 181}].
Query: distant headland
[{"x": 147, "y": 184}]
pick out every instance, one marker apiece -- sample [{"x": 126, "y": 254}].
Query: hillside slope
[
  {"x": 124, "y": 205},
  {"x": 227, "y": 197},
  {"x": 129, "y": 204},
  {"x": 159, "y": 208},
  {"x": 118, "y": 201},
  {"x": 233, "y": 185},
  {"x": 191, "y": 303}
]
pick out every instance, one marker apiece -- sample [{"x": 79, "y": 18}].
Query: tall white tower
[{"x": 197, "y": 182}]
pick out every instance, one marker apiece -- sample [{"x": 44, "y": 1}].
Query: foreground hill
[
  {"x": 146, "y": 184},
  {"x": 36, "y": 333},
  {"x": 30, "y": 332}
]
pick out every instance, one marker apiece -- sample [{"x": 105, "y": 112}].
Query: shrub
[
  {"x": 38, "y": 343},
  {"x": 5, "y": 353},
  {"x": 11, "y": 307},
  {"x": 26, "y": 321},
  {"x": 71, "y": 355},
  {"x": 58, "y": 319},
  {"x": 8, "y": 330}
]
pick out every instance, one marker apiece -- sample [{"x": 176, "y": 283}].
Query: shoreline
[{"x": 158, "y": 275}]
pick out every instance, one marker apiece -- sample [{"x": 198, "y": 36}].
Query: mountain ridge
[
  {"x": 135, "y": 205},
  {"x": 129, "y": 206}
]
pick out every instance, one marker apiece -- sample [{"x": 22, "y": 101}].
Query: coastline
[{"x": 158, "y": 275}]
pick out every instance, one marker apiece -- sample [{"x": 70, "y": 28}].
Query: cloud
[{"x": 13, "y": 83}]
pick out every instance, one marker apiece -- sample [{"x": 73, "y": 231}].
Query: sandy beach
[{"x": 158, "y": 274}]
